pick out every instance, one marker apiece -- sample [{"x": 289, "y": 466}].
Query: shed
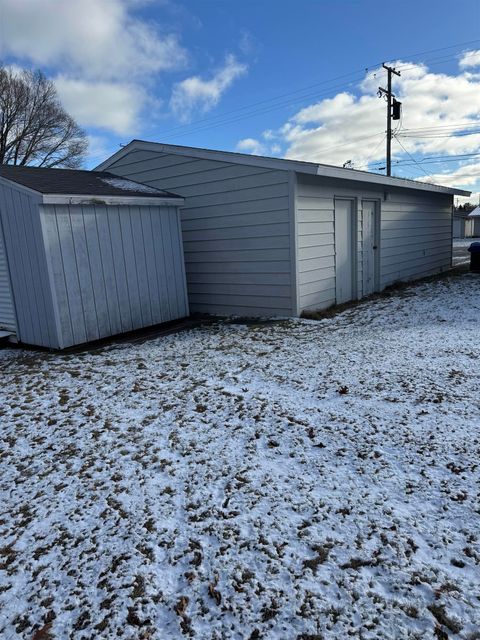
[
  {"x": 270, "y": 236},
  {"x": 85, "y": 255}
]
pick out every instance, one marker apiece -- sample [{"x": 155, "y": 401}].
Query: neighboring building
[
  {"x": 466, "y": 224},
  {"x": 266, "y": 236},
  {"x": 473, "y": 223},
  {"x": 85, "y": 255},
  {"x": 460, "y": 224}
]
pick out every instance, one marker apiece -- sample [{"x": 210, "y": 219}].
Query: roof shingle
[{"x": 79, "y": 182}]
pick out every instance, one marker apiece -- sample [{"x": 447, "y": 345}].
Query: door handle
[{"x": 375, "y": 246}]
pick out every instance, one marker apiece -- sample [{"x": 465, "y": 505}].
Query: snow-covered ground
[
  {"x": 464, "y": 242},
  {"x": 299, "y": 480},
  {"x": 461, "y": 255}
]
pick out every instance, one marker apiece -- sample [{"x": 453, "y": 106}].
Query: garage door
[{"x": 7, "y": 308}]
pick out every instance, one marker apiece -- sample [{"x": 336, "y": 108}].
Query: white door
[
  {"x": 7, "y": 307},
  {"x": 345, "y": 254},
  {"x": 371, "y": 247}
]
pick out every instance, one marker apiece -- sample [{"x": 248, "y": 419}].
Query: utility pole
[{"x": 393, "y": 112}]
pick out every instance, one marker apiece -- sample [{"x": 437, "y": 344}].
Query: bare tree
[{"x": 35, "y": 129}]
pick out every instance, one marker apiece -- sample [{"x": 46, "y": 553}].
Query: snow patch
[
  {"x": 293, "y": 480},
  {"x": 129, "y": 185}
]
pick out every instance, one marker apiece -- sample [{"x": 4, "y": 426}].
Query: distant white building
[
  {"x": 460, "y": 224},
  {"x": 473, "y": 223},
  {"x": 466, "y": 225}
]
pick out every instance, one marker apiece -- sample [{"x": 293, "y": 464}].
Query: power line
[
  {"x": 409, "y": 154},
  {"x": 411, "y": 164},
  {"x": 438, "y": 60},
  {"x": 441, "y": 131},
  {"x": 219, "y": 119},
  {"x": 274, "y": 99},
  {"x": 452, "y": 46},
  {"x": 446, "y": 158},
  {"x": 353, "y": 140},
  {"x": 427, "y": 160},
  {"x": 437, "y": 136},
  {"x": 261, "y": 111},
  {"x": 431, "y": 62},
  {"x": 374, "y": 150},
  {"x": 458, "y": 125}
]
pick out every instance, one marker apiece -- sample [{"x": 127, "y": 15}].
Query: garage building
[{"x": 279, "y": 237}]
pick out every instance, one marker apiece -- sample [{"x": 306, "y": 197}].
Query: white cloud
[
  {"x": 108, "y": 105},
  {"x": 247, "y": 43},
  {"x": 99, "y": 148},
  {"x": 104, "y": 57},
  {"x": 470, "y": 59},
  {"x": 195, "y": 95},
  {"x": 97, "y": 38},
  {"x": 251, "y": 145},
  {"x": 268, "y": 134},
  {"x": 267, "y": 147},
  {"x": 474, "y": 199},
  {"x": 351, "y": 125},
  {"x": 466, "y": 176}
]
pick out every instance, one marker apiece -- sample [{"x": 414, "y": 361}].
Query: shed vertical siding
[
  {"x": 236, "y": 227},
  {"x": 106, "y": 275},
  {"x": 7, "y": 304},
  {"x": 28, "y": 266}
]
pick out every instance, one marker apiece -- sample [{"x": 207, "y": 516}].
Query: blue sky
[{"x": 209, "y": 73}]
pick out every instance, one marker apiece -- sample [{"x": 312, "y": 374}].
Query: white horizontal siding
[
  {"x": 269, "y": 217},
  {"x": 416, "y": 236},
  {"x": 392, "y": 246},
  {"x": 236, "y": 231},
  {"x": 315, "y": 245},
  {"x": 238, "y": 237},
  {"x": 247, "y": 267},
  {"x": 413, "y": 260},
  {"x": 230, "y": 278},
  {"x": 318, "y": 300}
]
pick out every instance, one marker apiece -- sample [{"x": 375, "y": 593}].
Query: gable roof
[
  {"x": 77, "y": 182},
  {"x": 475, "y": 213},
  {"x": 299, "y": 166}
]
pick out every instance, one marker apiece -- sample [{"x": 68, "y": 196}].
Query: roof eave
[
  {"x": 73, "y": 199},
  {"x": 225, "y": 156},
  {"x": 373, "y": 178},
  {"x": 19, "y": 186},
  {"x": 284, "y": 164}
]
